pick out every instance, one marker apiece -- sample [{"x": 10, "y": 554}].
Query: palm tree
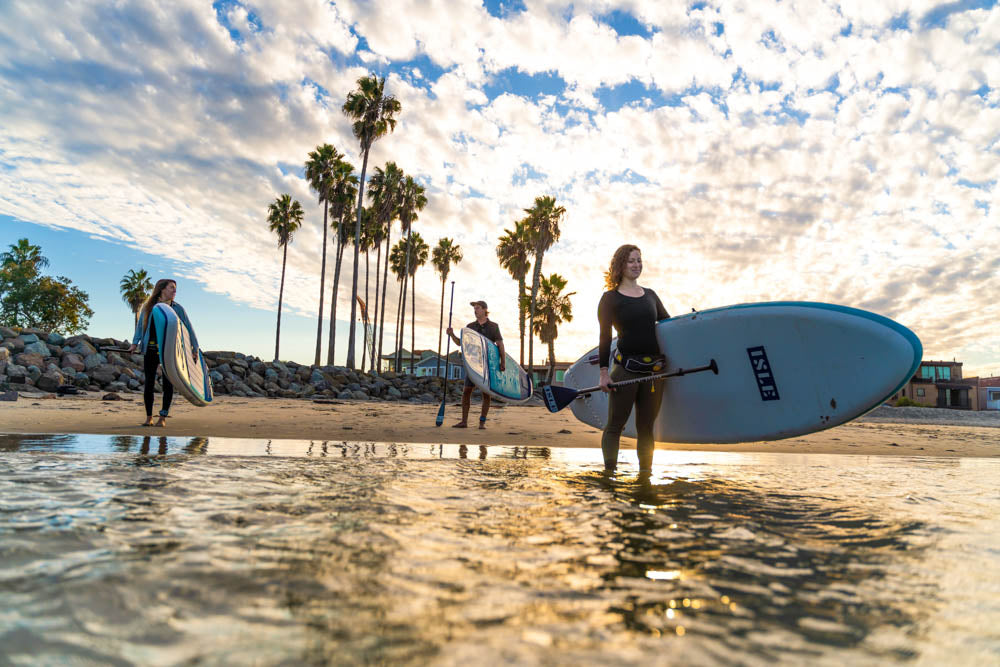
[
  {"x": 345, "y": 191},
  {"x": 444, "y": 255},
  {"x": 543, "y": 230},
  {"x": 385, "y": 189},
  {"x": 373, "y": 113},
  {"x": 514, "y": 251},
  {"x": 135, "y": 287},
  {"x": 320, "y": 173},
  {"x": 284, "y": 217},
  {"x": 552, "y": 309},
  {"x": 397, "y": 262},
  {"x": 416, "y": 256},
  {"x": 369, "y": 239},
  {"x": 412, "y": 199},
  {"x": 24, "y": 255}
]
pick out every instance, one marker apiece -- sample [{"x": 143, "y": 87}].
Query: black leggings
[
  {"x": 645, "y": 396},
  {"x": 149, "y": 364}
]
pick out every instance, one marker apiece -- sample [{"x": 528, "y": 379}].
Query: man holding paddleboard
[
  {"x": 633, "y": 311},
  {"x": 488, "y": 328}
]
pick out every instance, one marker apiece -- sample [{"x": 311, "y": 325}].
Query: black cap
[{"x": 479, "y": 303}]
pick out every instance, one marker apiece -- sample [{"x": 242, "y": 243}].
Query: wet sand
[{"x": 886, "y": 431}]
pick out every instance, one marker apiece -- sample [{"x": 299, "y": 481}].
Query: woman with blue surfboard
[
  {"x": 148, "y": 341},
  {"x": 633, "y": 311}
]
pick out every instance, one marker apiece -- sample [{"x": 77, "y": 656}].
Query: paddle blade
[
  {"x": 440, "y": 417},
  {"x": 557, "y": 398}
]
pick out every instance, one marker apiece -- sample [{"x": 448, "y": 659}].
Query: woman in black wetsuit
[
  {"x": 633, "y": 311},
  {"x": 144, "y": 341}
]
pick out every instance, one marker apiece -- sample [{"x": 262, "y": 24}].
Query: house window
[
  {"x": 560, "y": 375},
  {"x": 994, "y": 396},
  {"x": 920, "y": 391}
]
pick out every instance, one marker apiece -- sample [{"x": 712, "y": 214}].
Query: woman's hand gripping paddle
[
  {"x": 447, "y": 357},
  {"x": 557, "y": 398}
]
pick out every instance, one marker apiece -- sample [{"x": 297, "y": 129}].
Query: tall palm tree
[
  {"x": 135, "y": 287},
  {"x": 411, "y": 201},
  {"x": 385, "y": 189},
  {"x": 397, "y": 263},
  {"x": 543, "y": 230},
  {"x": 552, "y": 309},
  {"x": 345, "y": 191},
  {"x": 320, "y": 169},
  {"x": 369, "y": 237},
  {"x": 514, "y": 253},
  {"x": 416, "y": 256},
  {"x": 373, "y": 113},
  {"x": 445, "y": 254},
  {"x": 284, "y": 218}
]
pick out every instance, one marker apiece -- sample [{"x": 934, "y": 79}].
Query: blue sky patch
[
  {"x": 512, "y": 80},
  {"x": 502, "y": 9},
  {"x": 613, "y": 98},
  {"x": 625, "y": 24}
]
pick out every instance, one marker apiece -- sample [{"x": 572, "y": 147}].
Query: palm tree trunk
[
  {"x": 354, "y": 280},
  {"x": 444, "y": 279},
  {"x": 333, "y": 300},
  {"x": 520, "y": 313},
  {"x": 399, "y": 311},
  {"x": 322, "y": 279},
  {"x": 385, "y": 282},
  {"x": 406, "y": 281},
  {"x": 531, "y": 320},
  {"x": 281, "y": 294},
  {"x": 365, "y": 320},
  {"x": 376, "y": 362},
  {"x": 552, "y": 360},
  {"x": 413, "y": 321}
]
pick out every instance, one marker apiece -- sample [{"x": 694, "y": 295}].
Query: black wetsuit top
[
  {"x": 635, "y": 318},
  {"x": 489, "y": 329}
]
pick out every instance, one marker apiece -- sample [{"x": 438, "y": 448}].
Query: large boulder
[
  {"x": 4, "y": 354},
  {"x": 15, "y": 344},
  {"x": 28, "y": 338},
  {"x": 92, "y": 361},
  {"x": 74, "y": 361},
  {"x": 49, "y": 381},
  {"x": 17, "y": 373},
  {"x": 7, "y": 332},
  {"x": 29, "y": 359},
  {"x": 104, "y": 374},
  {"x": 55, "y": 339}
]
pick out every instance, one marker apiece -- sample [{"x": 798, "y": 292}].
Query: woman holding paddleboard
[
  {"x": 145, "y": 340},
  {"x": 633, "y": 311}
]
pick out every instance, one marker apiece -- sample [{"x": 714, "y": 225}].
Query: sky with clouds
[{"x": 845, "y": 152}]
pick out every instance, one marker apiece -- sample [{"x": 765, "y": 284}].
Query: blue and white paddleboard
[
  {"x": 481, "y": 358},
  {"x": 188, "y": 374},
  {"x": 785, "y": 369}
]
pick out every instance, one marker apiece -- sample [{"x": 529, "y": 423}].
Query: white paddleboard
[
  {"x": 188, "y": 375},
  {"x": 481, "y": 358},
  {"x": 785, "y": 369}
]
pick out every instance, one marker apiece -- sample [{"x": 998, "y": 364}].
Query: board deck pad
[
  {"x": 481, "y": 358},
  {"x": 785, "y": 369}
]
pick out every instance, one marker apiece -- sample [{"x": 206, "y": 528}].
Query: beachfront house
[
  {"x": 425, "y": 364},
  {"x": 989, "y": 393},
  {"x": 939, "y": 384},
  {"x": 541, "y": 372}
]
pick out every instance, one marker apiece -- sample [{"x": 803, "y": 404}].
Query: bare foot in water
[{"x": 460, "y": 425}]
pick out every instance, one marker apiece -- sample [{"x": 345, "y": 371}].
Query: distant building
[
  {"x": 989, "y": 393},
  {"x": 939, "y": 384},
  {"x": 425, "y": 362}
]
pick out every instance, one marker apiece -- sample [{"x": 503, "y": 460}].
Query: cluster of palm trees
[
  {"x": 546, "y": 307},
  {"x": 135, "y": 287},
  {"x": 392, "y": 196}
]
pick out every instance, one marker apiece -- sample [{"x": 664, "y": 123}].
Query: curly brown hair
[{"x": 613, "y": 276}]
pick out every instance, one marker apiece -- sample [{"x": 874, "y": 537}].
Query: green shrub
[{"x": 905, "y": 402}]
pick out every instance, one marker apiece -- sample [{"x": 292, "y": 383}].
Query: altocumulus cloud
[{"x": 844, "y": 152}]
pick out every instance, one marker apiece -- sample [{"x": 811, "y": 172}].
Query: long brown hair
[
  {"x": 613, "y": 276},
  {"x": 154, "y": 299}
]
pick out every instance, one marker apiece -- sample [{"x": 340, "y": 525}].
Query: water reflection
[
  {"x": 158, "y": 552},
  {"x": 772, "y": 572}
]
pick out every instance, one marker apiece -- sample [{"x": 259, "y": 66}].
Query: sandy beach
[{"x": 885, "y": 431}]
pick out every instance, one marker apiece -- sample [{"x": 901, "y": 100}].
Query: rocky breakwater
[{"x": 38, "y": 361}]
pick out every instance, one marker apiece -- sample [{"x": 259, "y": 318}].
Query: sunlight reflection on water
[{"x": 164, "y": 550}]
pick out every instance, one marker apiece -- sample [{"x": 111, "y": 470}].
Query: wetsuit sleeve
[
  {"x": 139, "y": 330},
  {"x": 604, "y": 312},
  {"x": 661, "y": 312}
]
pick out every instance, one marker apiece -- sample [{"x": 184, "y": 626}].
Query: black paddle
[
  {"x": 110, "y": 348},
  {"x": 447, "y": 357},
  {"x": 557, "y": 398}
]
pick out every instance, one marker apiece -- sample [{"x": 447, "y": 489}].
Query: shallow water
[{"x": 117, "y": 550}]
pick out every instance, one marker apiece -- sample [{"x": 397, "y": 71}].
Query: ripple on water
[{"x": 529, "y": 556}]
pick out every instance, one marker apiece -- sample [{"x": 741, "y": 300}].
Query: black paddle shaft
[{"x": 711, "y": 366}]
